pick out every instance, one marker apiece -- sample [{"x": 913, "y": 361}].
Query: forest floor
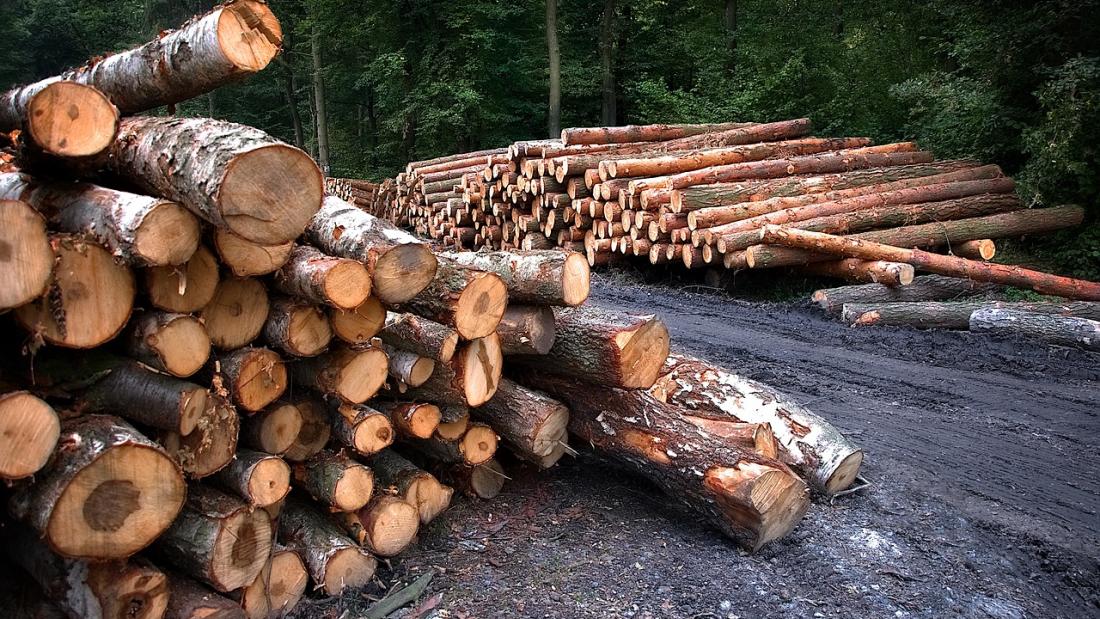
[{"x": 985, "y": 498}]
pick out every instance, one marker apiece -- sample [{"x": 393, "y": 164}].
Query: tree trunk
[
  {"x": 254, "y": 377},
  {"x": 261, "y": 479},
  {"x": 335, "y": 562},
  {"x": 311, "y": 275},
  {"x": 750, "y": 498},
  {"x": 729, "y": 22},
  {"x": 290, "y": 92},
  {"x": 385, "y": 526},
  {"x": 361, "y": 428},
  {"x": 550, "y": 277},
  {"x": 531, "y": 423},
  {"x": 554, "y": 55},
  {"x": 476, "y": 446},
  {"x": 29, "y": 431},
  {"x": 412, "y": 420},
  {"x": 319, "y": 99},
  {"x": 173, "y": 343},
  {"x": 107, "y": 495},
  {"x": 470, "y": 300},
  {"x": 954, "y": 314},
  {"x": 400, "y": 265},
  {"x": 607, "y": 52},
  {"x": 1052, "y": 329},
  {"x": 149, "y": 398},
  {"x": 890, "y": 274},
  {"x": 248, "y": 259},
  {"x": 526, "y": 330},
  {"x": 417, "y": 487},
  {"x": 297, "y": 328},
  {"x": 360, "y": 325},
  {"x": 214, "y": 168},
  {"x": 189, "y": 600},
  {"x": 335, "y": 481},
  {"x": 211, "y": 446},
  {"x": 640, "y": 133},
  {"x": 26, "y": 265},
  {"x": 184, "y": 289},
  {"x": 60, "y": 118},
  {"x": 923, "y": 288},
  {"x": 315, "y": 432},
  {"x": 469, "y": 379},
  {"x": 352, "y": 374},
  {"x": 288, "y": 581},
  {"x": 140, "y": 230},
  {"x": 236, "y": 314}
]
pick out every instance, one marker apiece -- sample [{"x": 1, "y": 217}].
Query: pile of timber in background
[
  {"x": 371, "y": 197},
  {"x": 216, "y": 396}
]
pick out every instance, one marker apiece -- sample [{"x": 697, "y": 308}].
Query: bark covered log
[
  {"x": 548, "y": 277},
  {"x": 1053, "y": 329},
  {"x": 352, "y": 374},
  {"x": 923, "y": 288},
  {"x": 211, "y": 445},
  {"x": 335, "y": 562},
  {"x": 412, "y": 419},
  {"x": 954, "y": 314},
  {"x": 60, "y": 118},
  {"x": 892, "y": 274},
  {"x": 261, "y": 479},
  {"x": 313, "y": 276},
  {"x": 335, "y": 481},
  {"x": 149, "y": 398},
  {"x": 174, "y": 343},
  {"x": 526, "y": 330},
  {"x": 409, "y": 368},
  {"x": 470, "y": 300},
  {"x": 297, "y": 328},
  {"x": 361, "y": 428},
  {"x": 531, "y": 423},
  {"x": 416, "y": 486},
  {"x": 420, "y": 335}
]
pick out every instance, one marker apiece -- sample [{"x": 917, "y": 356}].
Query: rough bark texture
[
  {"x": 416, "y": 486},
  {"x": 106, "y": 495},
  {"x": 526, "y": 330},
  {"x": 923, "y": 288},
  {"x": 29, "y": 430},
  {"x": 174, "y": 343},
  {"x": 407, "y": 367},
  {"x": 470, "y": 300},
  {"x": 335, "y": 481},
  {"x": 1053, "y": 329},
  {"x": 484, "y": 481},
  {"x": 261, "y": 479},
  {"x": 334, "y": 560},
  {"x": 233, "y": 176},
  {"x": 675, "y": 163},
  {"x": 954, "y": 315},
  {"x": 184, "y": 289},
  {"x": 313, "y": 276},
  {"x": 314, "y": 433},
  {"x": 26, "y": 265},
  {"x": 140, "y": 230},
  {"x": 149, "y": 398},
  {"x": 548, "y": 277},
  {"x": 297, "y": 328},
  {"x": 530, "y": 422}
]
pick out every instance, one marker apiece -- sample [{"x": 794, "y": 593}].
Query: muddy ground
[{"x": 982, "y": 454}]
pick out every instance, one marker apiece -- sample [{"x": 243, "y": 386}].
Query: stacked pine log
[{"x": 370, "y": 197}]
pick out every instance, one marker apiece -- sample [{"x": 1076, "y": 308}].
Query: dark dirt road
[{"x": 985, "y": 499}]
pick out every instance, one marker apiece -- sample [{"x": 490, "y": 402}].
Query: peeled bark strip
[
  {"x": 407, "y": 367},
  {"x": 335, "y": 480},
  {"x": 809, "y": 444},
  {"x": 91, "y": 590},
  {"x": 168, "y": 342},
  {"x": 149, "y": 398},
  {"x": 359, "y": 325},
  {"x": 248, "y": 259},
  {"x": 254, "y": 377},
  {"x": 60, "y": 118},
  {"x": 217, "y": 539},
  {"x": 185, "y": 288},
  {"x": 420, "y": 335},
  {"x": 1052, "y": 329},
  {"x": 640, "y": 133},
  {"x": 606, "y": 348},
  {"x": 106, "y": 495},
  {"x": 1020, "y": 277},
  {"x": 954, "y": 315},
  {"x": 311, "y": 275},
  {"x": 385, "y": 526},
  {"x": 272, "y": 430},
  {"x": 314, "y": 433},
  {"x": 361, "y": 428},
  {"x": 261, "y": 479},
  {"x": 484, "y": 481},
  {"x": 140, "y": 230},
  {"x": 88, "y": 301},
  {"x": 236, "y": 314},
  {"x": 335, "y": 562},
  {"x": 352, "y": 374},
  {"x": 211, "y": 446},
  {"x": 417, "y": 487},
  {"x": 288, "y": 581},
  {"x": 188, "y": 599},
  {"x": 526, "y": 330},
  {"x": 26, "y": 256},
  {"x": 410, "y": 419},
  {"x": 400, "y": 265},
  {"x": 29, "y": 431},
  {"x": 750, "y": 498},
  {"x": 470, "y": 300},
  {"x": 923, "y": 288},
  {"x": 297, "y": 328},
  {"x": 476, "y": 446},
  {"x": 231, "y": 175},
  {"x": 469, "y": 379},
  {"x": 892, "y": 274},
  {"x": 530, "y": 422},
  {"x": 549, "y": 277}
]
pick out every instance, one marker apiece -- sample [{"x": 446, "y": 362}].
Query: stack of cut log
[
  {"x": 371, "y": 197},
  {"x": 704, "y": 195}
]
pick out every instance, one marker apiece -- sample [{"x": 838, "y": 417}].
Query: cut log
[
  {"x": 484, "y": 481},
  {"x": 335, "y": 562},
  {"x": 953, "y": 314},
  {"x": 892, "y": 274},
  {"x": 417, "y": 487},
  {"x": 361, "y": 428},
  {"x": 26, "y": 256},
  {"x": 605, "y": 348},
  {"x": 411, "y": 420},
  {"x": 169, "y": 342},
  {"x": 687, "y": 161},
  {"x": 148, "y": 398},
  {"x": 29, "y": 431},
  {"x": 979, "y": 249},
  {"x": 288, "y": 580},
  {"x": 107, "y": 494},
  {"x": 188, "y": 599},
  {"x": 315, "y": 430},
  {"x": 352, "y": 374},
  {"x": 420, "y": 335},
  {"x": 1049, "y": 328},
  {"x": 530, "y": 422},
  {"x": 91, "y": 590},
  {"x": 359, "y": 325},
  {"x": 454, "y": 421},
  {"x": 476, "y": 446},
  {"x": 211, "y": 445},
  {"x": 186, "y": 288},
  {"x": 640, "y": 133},
  {"x": 247, "y": 259},
  {"x": 469, "y": 379},
  {"x": 272, "y": 430},
  {"x": 88, "y": 300},
  {"x": 809, "y": 444},
  {"x": 335, "y": 481},
  {"x": 139, "y": 230},
  {"x": 923, "y": 288},
  {"x": 252, "y": 598},
  {"x": 526, "y": 330},
  {"x": 60, "y": 118},
  {"x": 217, "y": 539},
  {"x": 254, "y": 377},
  {"x": 231, "y": 175},
  {"x": 261, "y": 479},
  {"x": 386, "y": 526},
  {"x": 1020, "y": 277},
  {"x": 297, "y": 328},
  {"x": 750, "y": 498},
  {"x": 409, "y": 368},
  {"x": 470, "y": 300},
  {"x": 313, "y": 276},
  {"x": 400, "y": 265},
  {"x": 549, "y": 277},
  {"x": 237, "y": 313}
]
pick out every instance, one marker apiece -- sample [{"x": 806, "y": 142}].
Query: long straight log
[
  {"x": 420, "y": 335},
  {"x": 535, "y": 278},
  {"x": 954, "y": 314},
  {"x": 1053, "y": 329},
  {"x": 639, "y": 133},
  {"x": 892, "y": 274},
  {"x": 922, "y": 288}
]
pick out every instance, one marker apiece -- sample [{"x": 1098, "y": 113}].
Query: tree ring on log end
[
  {"x": 479, "y": 444},
  {"x": 576, "y": 279},
  {"x": 269, "y": 482},
  {"x": 29, "y": 429},
  {"x": 393, "y": 527},
  {"x": 845, "y": 473},
  {"x": 363, "y": 376},
  {"x": 403, "y": 271},
  {"x": 249, "y": 35},
  {"x": 373, "y": 434},
  {"x": 242, "y": 547},
  {"x": 347, "y": 285},
  {"x": 481, "y": 306},
  {"x": 168, "y": 235},
  {"x": 71, "y": 120},
  {"x": 644, "y": 351},
  {"x": 348, "y": 568},
  {"x": 269, "y": 194}
]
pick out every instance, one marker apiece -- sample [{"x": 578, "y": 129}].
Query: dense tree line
[{"x": 367, "y": 86}]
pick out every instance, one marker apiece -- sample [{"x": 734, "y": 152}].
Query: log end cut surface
[
  {"x": 269, "y": 194},
  {"x": 71, "y": 120},
  {"x": 479, "y": 444},
  {"x": 481, "y": 306},
  {"x": 359, "y": 325},
  {"x": 348, "y": 568},
  {"x": 262, "y": 379},
  {"x": 169, "y": 234},
  {"x": 249, "y": 35},
  {"x": 269, "y": 482},
  {"x": 363, "y": 376},
  {"x": 484, "y": 362},
  {"x": 26, "y": 258},
  {"x": 242, "y": 548},
  {"x": 287, "y": 582},
  {"x": 347, "y": 284},
  {"x": 576, "y": 279},
  {"x": 429, "y": 497},
  {"x": 392, "y": 526},
  {"x": 29, "y": 429},
  {"x": 845, "y": 473},
  {"x": 403, "y": 272},
  {"x": 354, "y": 489},
  {"x": 182, "y": 346},
  {"x": 779, "y": 498},
  {"x": 644, "y": 351}
]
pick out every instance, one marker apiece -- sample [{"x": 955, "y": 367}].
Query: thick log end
[
  {"x": 249, "y": 35},
  {"x": 403, "y": 272},
  {"x": 71, "y": 120}
]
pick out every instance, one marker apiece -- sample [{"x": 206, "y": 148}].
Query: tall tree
[
  {"x": 607, "y": 58},
  {"x": 554, "y": 120},
  {"x": 730, "y": 23},
  {"x": 321, "y": 119}
]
